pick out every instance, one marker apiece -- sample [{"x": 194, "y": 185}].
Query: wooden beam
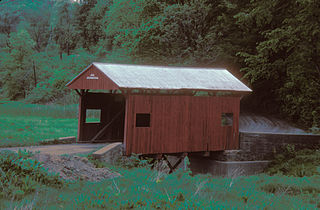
[
  {"x": 78, "y": 92},
  {"x": 106, "y": 126},
  {"x": 173, "y": 167},
  {"x": 168, "y": 163}
]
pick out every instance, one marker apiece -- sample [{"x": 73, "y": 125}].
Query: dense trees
[
  {"x": 284, "y": 65},
  {"x": 274, "y": 43},
  {"x": 17, "y": 62}
]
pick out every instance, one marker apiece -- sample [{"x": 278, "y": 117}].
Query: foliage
[
  {"x": 134, "y": 161},
  {"x": 274, "y": 43},
  {"x": 285, "y": 58},
  {"x": 20, "y": 175},
  {"x": 297, "y": 163},
  {"x": 141, "y": 188},
  {"x": 17, "y": 61},
  {"x": 64, "y": 32},
  {"x": 90, "y": 21}
]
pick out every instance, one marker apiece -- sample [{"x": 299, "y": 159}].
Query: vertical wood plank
[{"x": 183, "y": 124}]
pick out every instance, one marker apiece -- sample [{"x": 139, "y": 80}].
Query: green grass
[
  {"x": 22, "y": 131},
  {"x": 142, "y": 188},
  {"x": 17, "y": 109},
  {"x": 29, "y": 124},
  {"x": 145, "y": 189},
  {"x": 23, "y": 124}
]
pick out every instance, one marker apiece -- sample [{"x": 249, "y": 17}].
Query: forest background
[{"x": 273, "y": 44}]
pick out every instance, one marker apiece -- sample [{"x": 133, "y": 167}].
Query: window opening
[
  {"x": 227, "y": 119},
  {"x": 93, "y": 115},
  {"x": 142, "y": 120}
]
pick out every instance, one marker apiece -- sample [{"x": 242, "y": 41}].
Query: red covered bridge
[{"x": 160, "y": 110}]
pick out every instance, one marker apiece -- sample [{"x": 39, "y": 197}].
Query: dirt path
[{"x": 60, "y": 149}]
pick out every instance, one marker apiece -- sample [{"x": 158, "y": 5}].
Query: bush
[
  {"x": 20, "y": 175},
  {"x": 298, "y": 163},
  {"x": 134, "y": 161}
]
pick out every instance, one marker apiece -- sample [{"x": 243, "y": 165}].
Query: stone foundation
[{"x": 263, "y": 146}]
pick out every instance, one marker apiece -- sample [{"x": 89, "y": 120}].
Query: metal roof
[
  {"x": 171, "y": 78},
  {"x": 127, "y": 76}
]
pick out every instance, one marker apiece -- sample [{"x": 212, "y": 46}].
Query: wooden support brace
[
  {"x": 179, "y": 161},
  {"x": 78, "y": 92},
  {"x": 159, "y": 157},
  {"x": 168, "y": 163},
  {"x": 106, "y": 126},
  {"x": 172, "y": 168}
]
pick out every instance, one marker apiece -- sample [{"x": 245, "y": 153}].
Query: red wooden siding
[
  {"x": 93, "y": 79},
  {"x": 181, "y": 124}
]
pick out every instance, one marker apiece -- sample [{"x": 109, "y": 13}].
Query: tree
[
  {"x": 38, "y": 23},
  {"x": 17, "y": 63},
  {"x": 89, "y": 21},
  {"x": 65, "y": 33},
  {"x": 8, "y": 22},
  {"x": 284, "y": 67}
]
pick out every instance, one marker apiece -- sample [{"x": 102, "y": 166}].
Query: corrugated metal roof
[{"x": 171, "y": 78}]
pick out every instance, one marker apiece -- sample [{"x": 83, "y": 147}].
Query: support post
[{"x": 81, "y": 115}]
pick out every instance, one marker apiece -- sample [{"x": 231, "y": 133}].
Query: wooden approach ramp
[{"x": 103, "y": 151}]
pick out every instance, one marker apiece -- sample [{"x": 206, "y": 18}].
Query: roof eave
[{"x": 240, "y": 92}]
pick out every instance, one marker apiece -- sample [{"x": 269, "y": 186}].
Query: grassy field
[
  {"x": 24, "y": 184},
  {"x": 141, "y": 188},
  {"x": 28, "y": 124}
]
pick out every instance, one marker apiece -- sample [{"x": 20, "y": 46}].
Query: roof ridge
[{"x": 169, "y": 67}]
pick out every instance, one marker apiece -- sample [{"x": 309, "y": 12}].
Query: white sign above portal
[{"x": 92, "y": 76}]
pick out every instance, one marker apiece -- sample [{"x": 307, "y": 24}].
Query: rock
[{"x": 74, "y": 167}]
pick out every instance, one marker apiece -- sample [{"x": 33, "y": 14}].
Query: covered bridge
[{"x": 160, "y": 110}]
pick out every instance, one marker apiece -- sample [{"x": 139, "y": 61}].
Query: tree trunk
[{"x": 34, "y": 74}]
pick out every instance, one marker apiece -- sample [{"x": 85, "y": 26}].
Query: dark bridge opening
[{"x": 101, "y": 117}]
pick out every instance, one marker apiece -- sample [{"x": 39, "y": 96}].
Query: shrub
[
  {"x": 20, "y": 175},
  {"x": 134, "y": 161},
  {"x": 298, "y": 163}
]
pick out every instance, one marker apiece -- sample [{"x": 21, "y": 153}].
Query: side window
[
  {"x": 142, "y": 120},
  {"x": 93, "y": 115},
  {"x": 227, "y": 119}
]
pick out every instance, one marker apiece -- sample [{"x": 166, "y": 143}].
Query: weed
[
  {"x": 21, "y": 175},
  {"x": 96, "y": 162},
  {"x": 298, "y": 163}
]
